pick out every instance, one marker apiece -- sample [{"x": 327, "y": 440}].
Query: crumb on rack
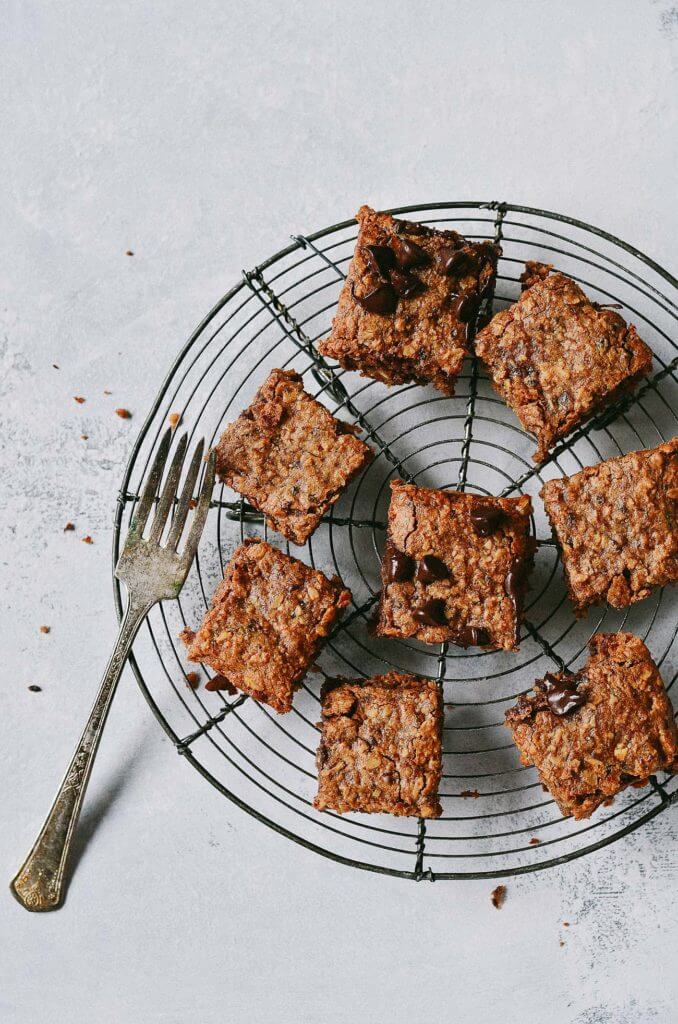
[
  {"x": 87, "y": 540},
  {"x": 466, "y": 793},
  {"x": 68, "y": 527},
  {"x": 56, "y": 366},
  {"x": 84, "y": 437},
  {"x": 124, "y": 414},
  {"x": 106, "y": 392},
  {"x": 220, "y": 682},
  {"x": 534, "y": 841},
  {"x": 79, "y": 399},
  {"x": 129, "y": 252},
  {"x": 34, "y": 688},
  {"x": 498, "y": 896},
  {"x": 45, "y": 629},
  {"x": 193, "y": 680},
  {"x": 174, "y": 419}
]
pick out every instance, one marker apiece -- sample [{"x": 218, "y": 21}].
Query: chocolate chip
[
  {"x": 458, "y": 262},
  {"x": 382, "y": 300},
  {"x": 511, "y": 584},
  {"x": 381, "y": 258},
  {"x": 409, "y": 254},
  {"x": 486, "y": 519},
  {"x": 430, "y": 569},
  {"x": 431, "y": 613},
  {"x": 562, "y": 695},
  {"x": 465, "y": 307},
  {"x": 405, "y": 285},
  {"x": 471, "y": 636},
  {"x": 399, "y": 567}
]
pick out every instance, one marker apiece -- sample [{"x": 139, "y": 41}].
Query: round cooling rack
[{"x": 497, "y": 820}]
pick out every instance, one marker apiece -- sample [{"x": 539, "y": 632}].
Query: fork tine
[
  {"x": 140, "y": 517},
  {"x": 200, "y": 513},
  {"x": 169, "y": 492},
  {"x": 181, "y": 513}
]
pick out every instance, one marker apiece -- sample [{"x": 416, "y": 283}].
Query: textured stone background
[{"x": 200, "y": 136}]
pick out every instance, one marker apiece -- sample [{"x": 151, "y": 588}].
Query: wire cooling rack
[{"x": 497, "y": 820}]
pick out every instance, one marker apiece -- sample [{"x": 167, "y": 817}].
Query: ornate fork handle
[{"x": 39, "y": 885}]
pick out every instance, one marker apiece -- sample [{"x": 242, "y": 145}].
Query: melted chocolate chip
[
  {"x": 458, "y": 262},
  {"x": 381, "y": 258},
  {"x": 382, "y": 300},
  {"x": 399, "y": 567},
  {"x": 465, "y": 307},
  {"x": 409, "y": 254},
  {"x": 471, "y": 636},
  {"x": 562, "y": 695},
  {"x": 405, "y": 285},
  {"x": 431, "y": 613},
  {"x": 486, "y": 520},
  {"x": 430, "y": 569},
  {"x": 511, "y": 584}
]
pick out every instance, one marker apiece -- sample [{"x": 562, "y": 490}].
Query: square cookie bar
[
  {"x": 289, "y": 456},
  {"x": 455, "y": 567},
  {"x": 380, "y": 746},
  {"x": 592, "y": 734},
  {"x": 557, "y": 359},
  {"x": 617, "y": 527},
  {"x": 268, "y": 621},
  {"x": 410, "y": 294}
]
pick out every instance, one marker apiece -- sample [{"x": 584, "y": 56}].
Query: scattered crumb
[
  {"x": 44, "y": 629},
  {"x": 562, "y": 943},
  {"x": 34, "y": 688},
  {"x": 498, "y": 896},
  {"x": 566, "y": 924},
  {"x": 69, "y": 526},
  {"x": 545, "y": 789},
  {"x": 193, "y": 503},
  {"x": 124, "y": 414},
  {"x": 220, "y": 682},
  {"x": 193, "y": 680},
  {"x": 534, "y": 841},
  {"x": 87, "y": 540},
  {"x": 56, "y": 366},
  {"x": 608, "y": 802},
  {"x": 129, "y": 253},
  {"x": 84, "y": 437},
  {"x": 107, "y": 392},
  {"x": 79, "y": 399},
  {"x": 174, "y": 419},
  {"x": 470, "y": 792}
]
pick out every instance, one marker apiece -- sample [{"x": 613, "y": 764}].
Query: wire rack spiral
[{"x": 497, "y": 820}]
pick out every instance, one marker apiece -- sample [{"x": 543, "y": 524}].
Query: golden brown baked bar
[
  {"x": 410, "y": 294},
  {"x": 557, "y": 359},
  {"x": 593, "y": 734},
  {"x": 268, "y": 620},
  {"x": 455, "y": 567},
  {"x": 380, "y": 748},
  {"x": 617, "y": 527},
  {"x": 289, "y": 456}
]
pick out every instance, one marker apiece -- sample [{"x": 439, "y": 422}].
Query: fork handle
[{"x": 39, "y": 884}]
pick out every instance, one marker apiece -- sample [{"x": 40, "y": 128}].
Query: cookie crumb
[
  {"x": 34, "y": 688},
  {"x": 193, "y": 680},
  {"x": 84, "y": 437},
  {"x": 87, "y": 540},
  {"x": 562, "y": 943},
  {"x": 124, "y": 414},
  {"x": 498, "y": 896},
  {"x": 107, "y": 392},
  {"x": 68, "y": 527},
  {"x": 466, "y": 793},
  {"x": 45, "y": 629},
  {"x": 79, "y": 399},
  {"x": 534, "y": 841},
  {"x": 220, "y": 682},
  {"x": 193, "y": 503},
  {"x": 56, "y": 366},
  {"x": 174, "y": 419},
  {"x": 129, "y": 252},
  {"x": 566, "y": 924}
]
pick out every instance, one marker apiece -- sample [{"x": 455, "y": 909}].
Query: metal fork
[{"x": 152, "y": 572}]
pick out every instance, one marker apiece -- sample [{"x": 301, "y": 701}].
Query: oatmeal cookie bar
[
  {"x": 409, "y": 298},
  {"x": 380, "y": 747},
  {"x": 289, "y": 456},
  {"x": 557, "y": 358},
  {"x": 455, "y": 567},
  {"x": 269, "y": 618},
  {"x": 617, "y": 527},
  {"x": 592, "y": 734}
]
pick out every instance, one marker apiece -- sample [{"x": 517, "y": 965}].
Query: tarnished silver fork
[{"x": 152, "y": 572}]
